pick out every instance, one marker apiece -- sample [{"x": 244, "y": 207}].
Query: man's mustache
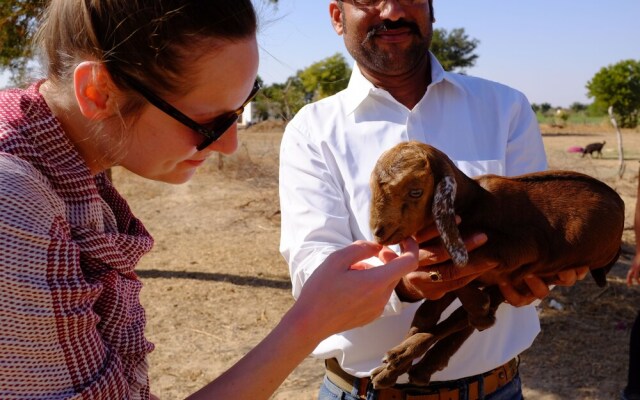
[{"x": 389, "y": 25}]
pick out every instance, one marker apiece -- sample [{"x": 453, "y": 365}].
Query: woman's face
[{"x": 160, "y": 148}]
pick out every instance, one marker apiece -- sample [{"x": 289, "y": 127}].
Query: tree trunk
[{"x": 621, "y": 165}]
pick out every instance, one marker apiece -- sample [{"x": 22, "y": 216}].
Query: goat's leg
[
  {"x": 437, "y": 358},
  {"x": 399, "y": 359},
  {"x": 428, "y": 314},
  {"x": 496, "y": 297},
  {"x": 477, "y": 304}
]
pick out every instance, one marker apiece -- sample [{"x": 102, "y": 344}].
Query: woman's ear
[
  {"x": 335, "y": 10},
  {"x": 94, "y": 90}
]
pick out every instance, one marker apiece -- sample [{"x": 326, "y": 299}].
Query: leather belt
[{"x": 491, "y": 381}]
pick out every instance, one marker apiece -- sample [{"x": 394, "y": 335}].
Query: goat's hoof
[
  {"x": 419, "y": 379},
  {"x": 393, "y": 365},
  {"x": 383, "y": 377}
]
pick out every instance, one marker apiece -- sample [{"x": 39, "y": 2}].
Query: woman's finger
[
  {"x": 403, "y": 264},
  {"x": 353, "y": 256},
  {"x": 386, "y": 254}
]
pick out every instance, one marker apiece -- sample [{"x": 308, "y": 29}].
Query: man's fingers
[
  {"x": 538, "y": 289},
  {"x": 537, "y": 286},
  {"x": 514, "y": 297},
  {"x": 475, "y": 241},
  {"x": 567, "y": 278},
  {"x": 430, "y": 232},
  {"x": 474, "y": 268},
  {"x": 435, "y": 254},
  {"x": 571, "y": 276},
  {"x": 511, "y": 295},
  {"x": 582, "y": 272}
]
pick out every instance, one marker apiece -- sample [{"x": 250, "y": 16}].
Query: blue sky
[{"x": 548, "y": 49}]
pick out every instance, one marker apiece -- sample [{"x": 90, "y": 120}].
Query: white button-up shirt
[{"x": 327, "y": 154}]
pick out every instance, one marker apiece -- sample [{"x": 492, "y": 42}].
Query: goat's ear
[{"x": 444, "y": 215}]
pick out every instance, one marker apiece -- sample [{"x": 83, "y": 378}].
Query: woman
[
  {"x": 632, "y": 390},
  {"x": 154, "y": 86}
]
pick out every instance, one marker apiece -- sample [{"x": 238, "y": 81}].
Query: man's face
[{"x": 388, "y": 38}]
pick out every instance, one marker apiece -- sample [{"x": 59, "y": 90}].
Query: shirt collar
[{"x": 360, "y": 88}]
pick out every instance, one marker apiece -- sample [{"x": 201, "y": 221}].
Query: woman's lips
[{"x": 195, "y": 163}]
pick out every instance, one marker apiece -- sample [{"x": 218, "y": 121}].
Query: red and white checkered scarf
[{"x": 71, "y": 321}]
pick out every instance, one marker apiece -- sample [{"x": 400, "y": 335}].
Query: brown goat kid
[{"x": 540, "y": 223}]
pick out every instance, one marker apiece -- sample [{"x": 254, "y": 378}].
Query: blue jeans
[{"x": 510, "y": 391}]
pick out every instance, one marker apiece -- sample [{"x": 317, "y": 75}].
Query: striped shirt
[{"x": 71, "y": 322}]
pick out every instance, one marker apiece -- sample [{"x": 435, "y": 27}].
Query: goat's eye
[{"x": 415, "y": 193}]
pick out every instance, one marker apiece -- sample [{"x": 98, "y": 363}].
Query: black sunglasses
[{"x": 212, "y": 130}]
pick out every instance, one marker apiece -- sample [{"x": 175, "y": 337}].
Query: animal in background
[
  {"x": 589, "y": 149},
  {"x": 594, "y": 148},
  {"x": 539, "y": 223}
]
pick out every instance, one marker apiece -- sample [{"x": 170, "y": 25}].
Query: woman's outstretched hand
[{"x": 346, "y": 292}]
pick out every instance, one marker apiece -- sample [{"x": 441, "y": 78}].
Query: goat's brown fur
[{"x": 540, "y": 223}]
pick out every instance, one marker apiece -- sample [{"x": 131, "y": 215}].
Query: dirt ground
[{"x": 215, "y": 283}]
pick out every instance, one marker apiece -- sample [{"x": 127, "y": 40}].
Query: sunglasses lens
[
  {"x": 217, "y": 128},
  {"x": 222, "y": 124}
]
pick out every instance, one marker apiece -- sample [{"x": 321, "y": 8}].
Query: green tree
[
  {"x": 281, "y": 100},
  {"x": 577, "y": 107},
  {"x": 18, "y": 21},
  {"x": 545, "y": 107},
  {"x": 618, "y": 85},
  {"x": 321, "y": 79},
  {"x": 454, "y": 50},
  {"x": 326, "y": 77}
]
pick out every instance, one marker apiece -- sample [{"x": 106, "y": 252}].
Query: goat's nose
[{"x": 379, "y": 232}]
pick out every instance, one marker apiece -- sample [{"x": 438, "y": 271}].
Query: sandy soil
[{"x": 215, "y": 284}]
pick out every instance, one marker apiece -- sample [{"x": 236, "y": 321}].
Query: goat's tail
[{"x": 600, "y": 274}]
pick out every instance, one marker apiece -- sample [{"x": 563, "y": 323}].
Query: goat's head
[{"x": 413, "y": 186}]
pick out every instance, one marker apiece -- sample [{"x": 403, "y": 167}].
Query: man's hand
[
  {"x": 435, "y": 262},
  {"x": 437, "y": 275},
  {"x": 538, "y": 288}
]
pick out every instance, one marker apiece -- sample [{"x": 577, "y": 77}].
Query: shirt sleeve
[
  {"x": 315, "y": 218},
  {"x": 49, "y": 346},
  {"x": 525, "y": 148}
]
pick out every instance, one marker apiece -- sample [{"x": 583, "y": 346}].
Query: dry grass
[{"x": 215, "y": 284}]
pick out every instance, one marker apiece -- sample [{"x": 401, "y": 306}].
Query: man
[{"x": 398, "y": 91}]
